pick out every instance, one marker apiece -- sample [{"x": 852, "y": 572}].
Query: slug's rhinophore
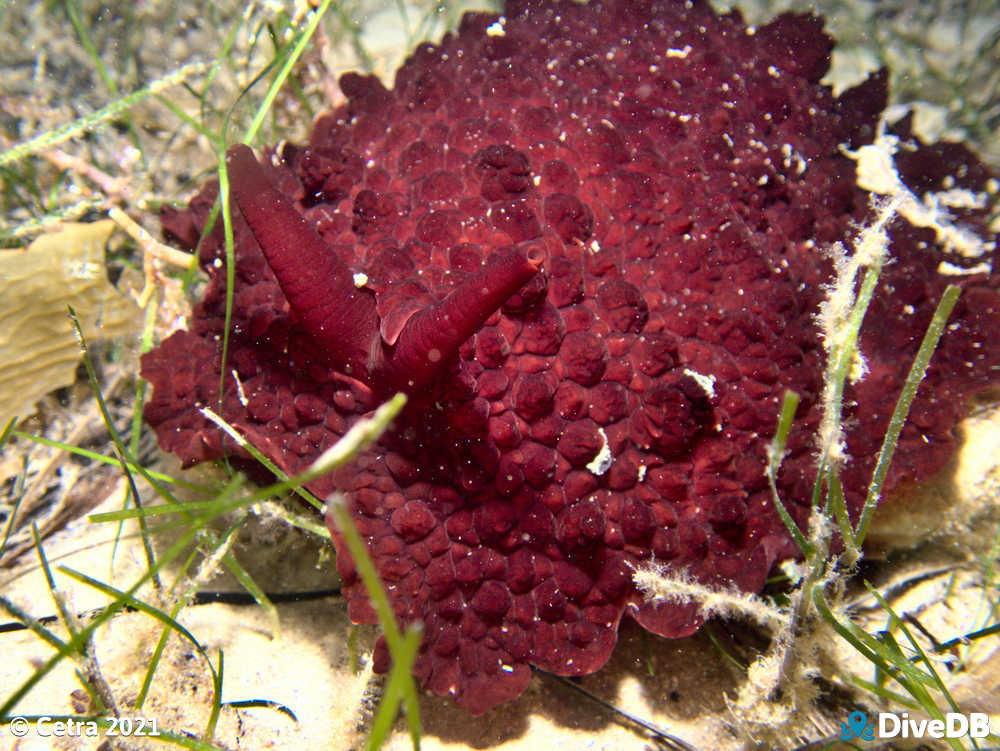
[{"x": 587, "y": 241}]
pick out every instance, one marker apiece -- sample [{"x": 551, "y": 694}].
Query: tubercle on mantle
[{"x": 342, "y": 317}]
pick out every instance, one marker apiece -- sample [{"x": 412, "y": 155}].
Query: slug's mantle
[{"x": 586, "y": 241}]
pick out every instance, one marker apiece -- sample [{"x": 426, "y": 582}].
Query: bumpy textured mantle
[{"x": 629, "y": 200}]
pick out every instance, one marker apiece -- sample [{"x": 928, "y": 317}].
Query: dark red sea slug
[{"x": 587, "y": 241}]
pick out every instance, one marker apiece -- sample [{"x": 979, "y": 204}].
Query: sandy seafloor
[{"x": 47, "y": 79}]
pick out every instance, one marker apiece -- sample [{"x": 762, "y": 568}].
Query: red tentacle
[
  {"x": 319, "y": 286},
  {"x": 432, "y": 336}
]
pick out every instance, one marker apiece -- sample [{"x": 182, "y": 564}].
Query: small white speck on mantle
[
  {"x": 602, "y": 462},
  {"x": 360, "y": 279},
  {"x": 707, "y": 382},
  {"x": 496, "y": 28},
  {"x": 949, "y": 269}
]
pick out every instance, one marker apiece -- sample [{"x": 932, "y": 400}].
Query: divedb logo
[{"x": 892, "y": 725}]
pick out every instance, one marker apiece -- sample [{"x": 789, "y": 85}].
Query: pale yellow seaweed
[{"x": 38, "y": 349}]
